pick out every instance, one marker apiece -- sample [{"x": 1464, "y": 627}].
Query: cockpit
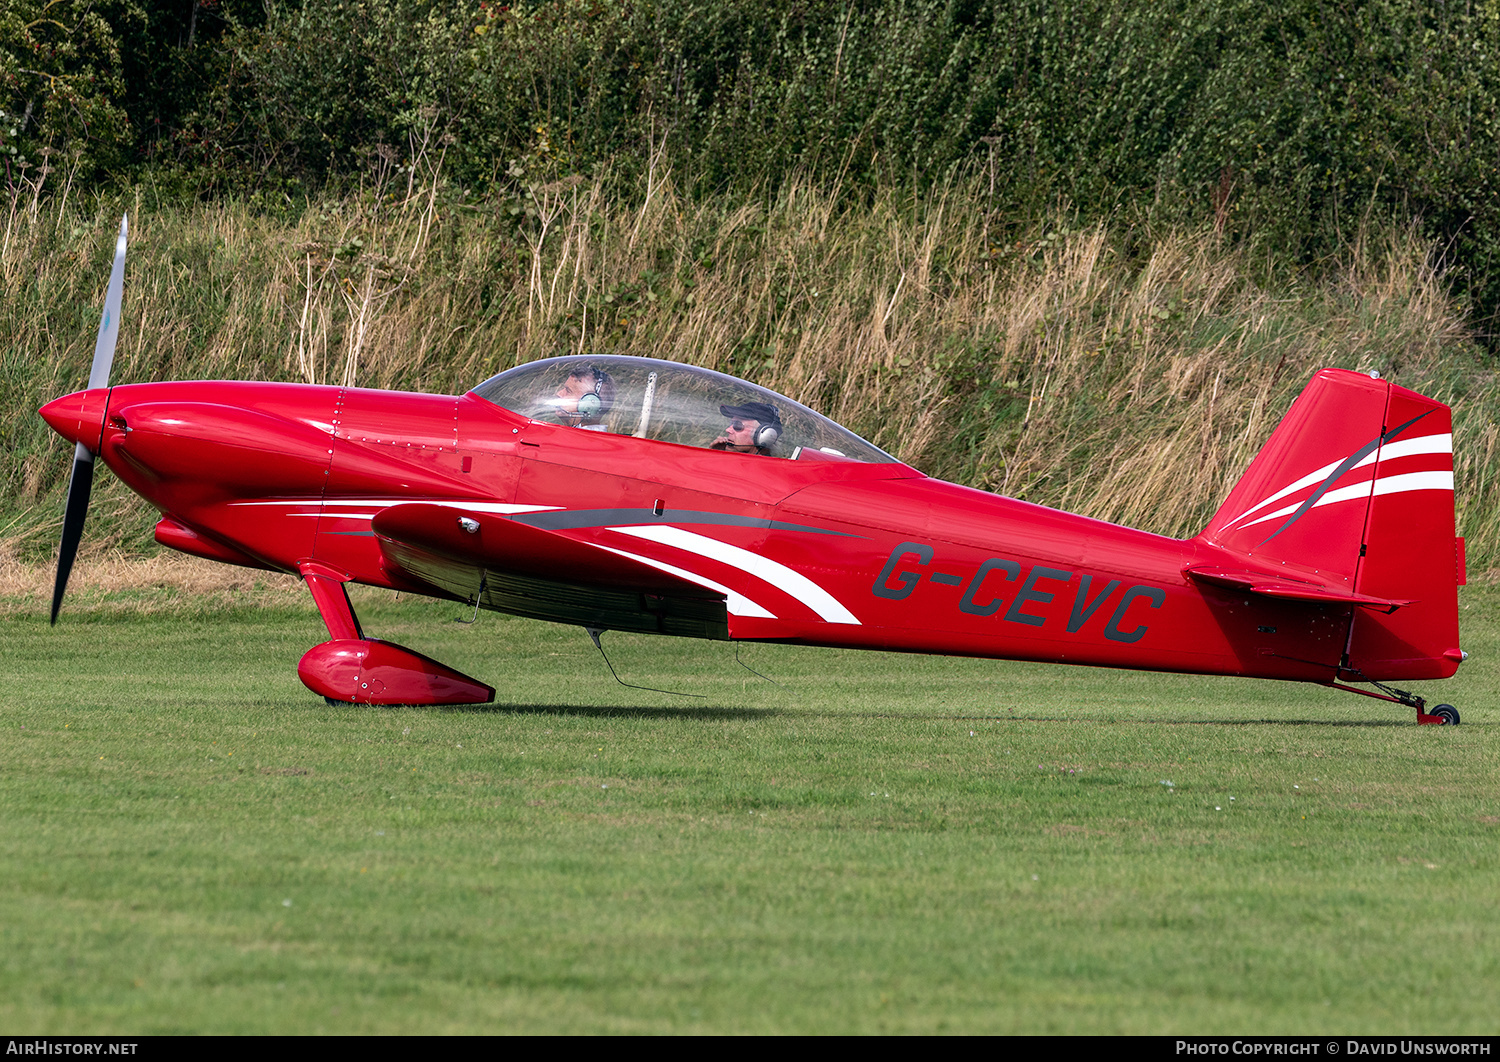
[{"x": 671, "y": 402}]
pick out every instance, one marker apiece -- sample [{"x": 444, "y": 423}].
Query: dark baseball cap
[{"x": 753, "y": 411}]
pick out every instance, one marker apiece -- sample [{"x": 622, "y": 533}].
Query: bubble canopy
[{"x": 671, "y": 402}]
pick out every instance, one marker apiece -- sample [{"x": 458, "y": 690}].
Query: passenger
[
  {"x": 583, "y": 399},
  {"x": 753, "y": 429}
]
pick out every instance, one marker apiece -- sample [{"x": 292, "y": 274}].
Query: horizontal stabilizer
[{"x": 1277, "y": 586}]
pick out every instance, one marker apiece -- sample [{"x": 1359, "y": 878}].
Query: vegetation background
[{"x": 1083, "y": 253}]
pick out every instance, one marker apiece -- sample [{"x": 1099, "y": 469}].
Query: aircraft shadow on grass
[
  {"x": 699, "y": 712},
  {"x": 713, "y": 712},
  {"x": 1203, "y": 722}
]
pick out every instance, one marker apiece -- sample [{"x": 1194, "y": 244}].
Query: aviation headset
[
  {"x": 591, "y": 403},
  {"x": 766, "y": 435}
]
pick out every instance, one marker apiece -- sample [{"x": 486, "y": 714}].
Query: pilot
[
  {"x": 753, "y": 429},
  {"x": 584, "y": 398}
]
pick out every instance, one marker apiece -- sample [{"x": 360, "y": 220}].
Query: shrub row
[{"x": 1283, "y": 123}]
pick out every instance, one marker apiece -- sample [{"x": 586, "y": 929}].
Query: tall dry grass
[{"x": 1043, "y": 363}]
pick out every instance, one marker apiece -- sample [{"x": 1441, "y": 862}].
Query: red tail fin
[
  {"x": 1354, "y": 491},
  {"x": 1410, "y": 549}
]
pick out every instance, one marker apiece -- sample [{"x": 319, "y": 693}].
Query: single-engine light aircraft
[{"x": 632, "y": 494}]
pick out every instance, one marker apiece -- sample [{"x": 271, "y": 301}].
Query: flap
[
  {"x": 473, "y": 538},
  {"x": 1279, "y": 586}
]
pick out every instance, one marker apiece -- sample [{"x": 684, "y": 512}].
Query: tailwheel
[
  {"x": 1442, "y": 715},
  {"x": 1447, "y": 714}
]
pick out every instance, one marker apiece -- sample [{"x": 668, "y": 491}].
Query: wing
[{"x": 469, "y": 553}]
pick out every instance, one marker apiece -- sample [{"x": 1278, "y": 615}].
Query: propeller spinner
[{"x": 81, "y": 482}]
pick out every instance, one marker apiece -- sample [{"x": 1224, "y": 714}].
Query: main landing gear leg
[
  {"x": 353, "y": 669},
  {"x": 1442, "y": 715}
]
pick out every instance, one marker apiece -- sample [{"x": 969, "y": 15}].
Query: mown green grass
[{"x": 192, "y": 842}]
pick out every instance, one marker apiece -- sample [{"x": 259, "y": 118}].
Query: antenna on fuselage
[
  {"x": 752, "y": 670},
  {"x": 594, "y": 633},
  {"x": 479, "y": 594}
]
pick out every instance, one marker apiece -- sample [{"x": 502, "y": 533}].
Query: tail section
[
  {"x": 1410, "y": 549},
  {"x": 1353, "y": 494}
]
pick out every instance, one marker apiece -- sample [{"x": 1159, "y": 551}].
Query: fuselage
[{"x": 818, "y": 551}]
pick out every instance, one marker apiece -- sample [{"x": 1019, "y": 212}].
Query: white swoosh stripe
[
  {"x": 484, "y": 507},
  {"x": 448, "y": 503},
  {"x": 1358, "y": 492},
  {"x": 737, "y": 604},
  {"x": 317, "y": 513},
  {"x": 1306, "y": 481},
  {"x": 778, "y": 575},
  {"x": 1425, "y": 444},
  {"x": 1389, "y": 485},
  {"x": 1414, "y": 481}
]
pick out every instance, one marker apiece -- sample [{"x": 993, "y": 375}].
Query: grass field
[{"x": 194, "y": 843}]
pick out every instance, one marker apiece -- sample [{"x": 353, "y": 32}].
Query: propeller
[{"x": 81, "y": 482}]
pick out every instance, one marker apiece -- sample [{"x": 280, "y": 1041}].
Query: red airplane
[{"x": 631, "y": 494}]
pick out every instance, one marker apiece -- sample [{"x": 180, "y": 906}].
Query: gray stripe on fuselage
[{"x": 566, "y": 519}]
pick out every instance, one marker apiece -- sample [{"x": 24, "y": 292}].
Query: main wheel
[{"x": 1447, "y": 713}]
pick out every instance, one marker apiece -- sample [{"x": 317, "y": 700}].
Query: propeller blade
[
  {"x": 109, "y": 324},
  {"x": 81, "y": 482},
  {"x": 80, "y": 487}
]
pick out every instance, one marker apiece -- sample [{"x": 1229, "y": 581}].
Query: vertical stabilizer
[{"x": 1354, "y": 490}]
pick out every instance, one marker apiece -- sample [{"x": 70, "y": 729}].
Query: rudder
[{"x": 1410, "y": 549}]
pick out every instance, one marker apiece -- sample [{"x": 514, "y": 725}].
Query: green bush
[
  {"x": 1284, "y": 124},
  {"x": 61, "y": 88}
]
